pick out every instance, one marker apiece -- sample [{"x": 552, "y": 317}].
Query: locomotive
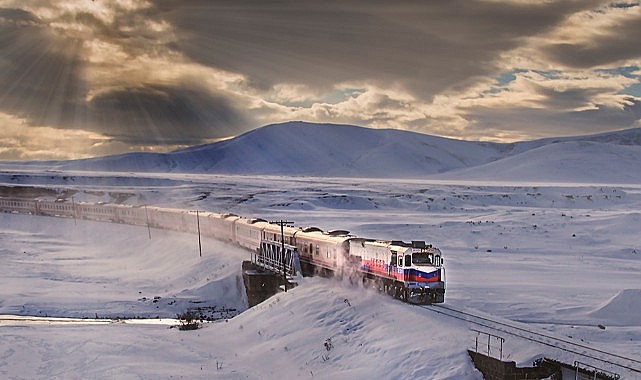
[{"x": 412, "y": 272}]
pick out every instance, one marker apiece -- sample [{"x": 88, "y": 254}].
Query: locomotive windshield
[{"x": 423, "y": 258}]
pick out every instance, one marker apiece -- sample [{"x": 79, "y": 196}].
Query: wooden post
[
  {"x": 73, "y": 211},
  {"x": 148, "y": 228},
  {"x": 200, "y": 247}
]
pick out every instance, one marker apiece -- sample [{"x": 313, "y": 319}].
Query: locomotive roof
[{"x": 396, "y": 243}]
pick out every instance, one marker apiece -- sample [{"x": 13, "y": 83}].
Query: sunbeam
[{"x": 155, "y": 75}]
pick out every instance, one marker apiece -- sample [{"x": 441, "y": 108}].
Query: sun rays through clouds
[{"x": 104, "y": 77}]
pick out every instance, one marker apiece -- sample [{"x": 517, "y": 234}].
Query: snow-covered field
[{"x": 563, "y": 258}]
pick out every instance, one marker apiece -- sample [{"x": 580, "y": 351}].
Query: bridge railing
[
  {"x": 494, "y": 344},
  {"x": 590, "y": 372},
  {"x": 270, "y": 257}
]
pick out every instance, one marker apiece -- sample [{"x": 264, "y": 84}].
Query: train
[{"x": 410, "y": 271}]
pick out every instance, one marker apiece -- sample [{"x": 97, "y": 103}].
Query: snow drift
[
  {"x": 624, "y": 309},
  {"x": 567, "y": 161}
]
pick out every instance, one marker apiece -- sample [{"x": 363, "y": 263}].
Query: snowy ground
[{"x": 564, "y": 258}]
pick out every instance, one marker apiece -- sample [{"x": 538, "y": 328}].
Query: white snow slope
[
  {"x": 331, "y": 150},
  {"x": 544, "y": 233},
  {"x": 560, "y": 259}
]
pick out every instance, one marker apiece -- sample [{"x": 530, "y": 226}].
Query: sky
[{"x": 88, "y": 78}]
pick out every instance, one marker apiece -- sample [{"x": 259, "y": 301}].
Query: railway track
[
  {"x": 26, "y": 320},
  {"x": 628, "y": 364}
]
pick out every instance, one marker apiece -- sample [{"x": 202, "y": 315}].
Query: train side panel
[
  {"x": 53, "y": 208},
  {"x": 217, "y": 226},
  {"x": 22, "y": 206},
  {"x": 321, "y": 250},
  {"x": 247, "y": 232}
]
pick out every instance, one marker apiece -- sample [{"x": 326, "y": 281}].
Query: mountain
[
  {"x": 333, "y": 150},
  {"x": 567, "y": 161},
  {"x": 299, "y": 148}
]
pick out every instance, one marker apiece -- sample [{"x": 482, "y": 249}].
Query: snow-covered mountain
[
  {"x": 305, "y": 149},
  {"x": 578, "y": 161},
  {"x": 332, "y": 150},
  {"x": 300, "y": 148}
]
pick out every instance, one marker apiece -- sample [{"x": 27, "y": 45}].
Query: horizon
[
  {"x": 347, "y": 151},
  {"x": 95, "y": 78},
  {"x": 293, "y": 122}
]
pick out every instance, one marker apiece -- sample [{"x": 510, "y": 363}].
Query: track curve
[{"x": 516, "y": 329}]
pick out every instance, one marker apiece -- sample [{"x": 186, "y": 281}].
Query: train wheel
[
  {"x": 389, "y": 289},
  {"x": 380, "y": 285}
]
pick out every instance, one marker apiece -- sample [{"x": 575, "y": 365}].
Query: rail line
[
  {"x": 624, "y": 362},
  {"x": 26, "y": 320}
]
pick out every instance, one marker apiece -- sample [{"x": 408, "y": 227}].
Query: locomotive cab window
[
  {"x": 408, "y": 260},
  {"x": 422, "y": 258}
]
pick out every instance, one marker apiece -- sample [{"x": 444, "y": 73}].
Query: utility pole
[
  {"x": 73, "y": 211},
  {"x": 148, "y": 227},
  {"x": 200, "y": 247}
]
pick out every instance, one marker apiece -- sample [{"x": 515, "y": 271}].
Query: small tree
[{"x": 188, "y": 321}]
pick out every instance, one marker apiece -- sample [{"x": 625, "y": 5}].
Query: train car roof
[
  {"x": 390, "y": 243},
  {"x": 338, "y": 233},
  {"x": 322, "y": 236}
]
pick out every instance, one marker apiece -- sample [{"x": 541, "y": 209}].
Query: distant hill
[
  {"x": 333, "y": 150},
  {"x": 305, "y": 149},
  {"x": 298, "y": 148},
  {"x": 580, "y": 161}
]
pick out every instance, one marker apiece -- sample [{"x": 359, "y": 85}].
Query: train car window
[
  {"x": 317, "y": 250},
  {"x": 408, "y": 260},
  {"x": 400, "y": 261},
  {"x": 393, "y": 261}
]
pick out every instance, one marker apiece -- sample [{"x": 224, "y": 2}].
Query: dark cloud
[
  {"x": 617, "y": 44},
  {"x": 555, "y": 99},
  {"x": 16, "y": 16},
  {"x": 621, "y": 44},
  {"x": 539, "y": 123},
  {"x": 55, "y": 70},
  {"x": 428, "y": 46},
  {"x": 164, "y": 114},
  {"x": 38, "y": 71},
  {"x": 42, "y": 80}
]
